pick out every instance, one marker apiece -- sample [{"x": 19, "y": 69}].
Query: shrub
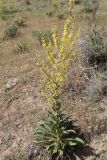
[
  {"x": 11, "y": 30},
  {"x": 3, "y": 14},
  {"x": 50, "y": 13},
  {"x": 57, "y": 134},
  {"x": 97, "y": 54},
  {"x": 55, "y": 6},
  {"x": 20, "y": 22},
  {"x": 96, "y": 86},
  {"x": 68, "y": 13},
  {"x": 63, "y": 2},
  {"x": 27, "y": 2},
  {"x": 22, "y": 48},
  {"x": 90, "y": 5},
  {"x": 77, "y": 2},
  {"x": 60, "y": 16},
  {"x": 39, "y": 35},
  {"x": 7, "y": 12}
]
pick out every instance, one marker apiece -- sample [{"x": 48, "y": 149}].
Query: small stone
[
  {"x": 11, "y": 83},
  {"x": 34, "y": 151},
  {"x": 91, "y": 158}
]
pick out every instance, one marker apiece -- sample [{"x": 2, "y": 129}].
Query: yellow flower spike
[
  {"x": 48, "y": 49},
  {"x": 72, "y": 2},
  {"x": 58, "y": 56},
  {"x": 75, "y": 40},
  {"x": 65, "y": 36},
  {"x": 55, "y": 36}
]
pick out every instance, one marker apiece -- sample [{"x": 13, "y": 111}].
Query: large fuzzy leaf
[
  {"x": 57, "y": 132},
  {"x": 79, "y": 140}
]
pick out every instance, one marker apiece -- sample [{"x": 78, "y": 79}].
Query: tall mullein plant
[{"x": 57, "y": 133}]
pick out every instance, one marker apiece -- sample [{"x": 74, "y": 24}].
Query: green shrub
[
  {"x": 21, "y": 22},
  {"x": 50, "y": 13},
  {"x": 11, "y": 30},
  {"x": 22, "y": 48},
  {"x": 7, "y": 12},
  {"x": 63, "y": 2},
  {"x": 60, "y": 16},
  {"x": 3, "y": 14},
  {"x": 88, "y": 6},
  {"x": 57, "y": 134},
  {"x": 27, "y": 2},
  {"x": 77, "y": 2},
  {"x": 55, "y": 6},
  {"x": 97, "y": 54},
  {"x": 91, "y": 6},
  {"x": 46, "y": 35},
  {"x": 96, "y": 86}
]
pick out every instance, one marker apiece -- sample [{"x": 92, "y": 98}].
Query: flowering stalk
[{"x": 55, "y": 63}]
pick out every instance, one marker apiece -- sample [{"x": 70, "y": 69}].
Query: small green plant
[
  {"x": 77, "y": 2},
  {"x": 3, "y": 14},
  {"x": 7, "y": 12},
  {"x": 11, "y": 30},
  {"x": 90, "y": 6},
  {"x": 50, "y": 13},
  {"x": 39, "y": 35},
  {"x": 62, "y": 2},
  {"x": 96, "y": 87},
  {"x": 27, "y": 2},
  {"x": 57, "y": 134},
  {"x": 20, "y": 22},
  {"x": 60, "y": 16},
  {"x": 22, "y": 48},
  {"x": 56, "y": 6},
  {"x": 96, "y": 48}
]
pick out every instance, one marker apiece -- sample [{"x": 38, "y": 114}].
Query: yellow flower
[
  {"x": 58, "y": 55},
  {"x": 71, "y": 1},
  {"x": 55, "y": 36}
]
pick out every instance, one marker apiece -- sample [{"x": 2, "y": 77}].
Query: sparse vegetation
[
  {"x": 39, "y": 35},
  {"x": 97, "y": 50},
  {"x": 90, "y": 6},
  {"x": 60, "y": 16},
  {"x": 21, "y": 22},
  {"x": 50, "y": 13},
  {"x": 11, "y": 30},
  {"x": 22, "y": 48},
  {"x": 5, "y": 13},
  {"x": 77, "y": 1}
]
